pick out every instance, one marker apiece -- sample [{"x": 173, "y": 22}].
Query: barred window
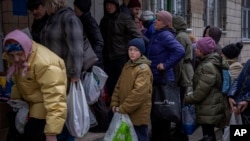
[
  {"x": 245, "y": 19},
  {"x": 215, "y": 13}
]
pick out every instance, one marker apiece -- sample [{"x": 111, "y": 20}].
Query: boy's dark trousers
[
  {"x": 160, "y": 129},
  {"x": 142, "y": 132}
]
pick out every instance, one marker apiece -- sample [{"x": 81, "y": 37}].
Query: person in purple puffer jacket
[{"x": 165, "y": 52}]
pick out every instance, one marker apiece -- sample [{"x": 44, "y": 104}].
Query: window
[
  {"x": 215, "y": 13},
  {"x": 176, "y": 7},
  {"x": 245, "y": 19}
]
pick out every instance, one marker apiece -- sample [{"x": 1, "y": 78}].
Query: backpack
[{"x": 226, "y": 81}]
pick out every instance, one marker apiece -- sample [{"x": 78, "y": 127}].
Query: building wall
[
  {"x": 233, "y": 28},
  {"x": 231, "y": 34},
  {"x": 11, "y": 22}
]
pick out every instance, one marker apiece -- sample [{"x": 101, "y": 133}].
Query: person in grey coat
[
  {"x": 185, "y": 68},
  {"x": 63, "y": 34}
]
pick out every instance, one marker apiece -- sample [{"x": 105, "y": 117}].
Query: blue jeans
[
  {"x": 142, "y": 132},
  {"x": 65, "y": 135}
]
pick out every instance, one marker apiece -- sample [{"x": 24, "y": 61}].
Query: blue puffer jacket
[
  {"x": 150, "y": 29},
  {"x": 240, "y": 89},
  {"x": 164, "y": 48}
]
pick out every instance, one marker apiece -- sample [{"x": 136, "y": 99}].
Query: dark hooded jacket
[
  {"x": 207, "y": 95},
  {"x": 94, "y": 35},
  {"x": 117, "y": 29},
  {"x": 184, "y": 69},
  {"x": 37, "y": 27}
]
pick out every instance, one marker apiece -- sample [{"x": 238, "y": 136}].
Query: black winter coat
[
  {"x": 117, "y": 29},
  {"x": 94, "y": 35}
]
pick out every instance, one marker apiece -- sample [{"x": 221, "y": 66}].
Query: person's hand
[
  {"x": 160, "y": 66},
  {"x": 51, "y": 138},
  {"x": 115, "y": 109},
  {"x": 242, "y": 106},
  {"x": 74, "y": 79},
  {"x": 188, "y": 90},
  {"x": 232, "y": 104}
]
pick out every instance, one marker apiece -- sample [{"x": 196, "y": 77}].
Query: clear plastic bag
[
  {"x": 120, "y": 129},
  {"x": 93, "y": 121},
  {"x": 234, "y": 120},
  {"x": 22, "y": 109},
  {"x": 78, "y": 119},
  {"x": 93, "y": 82}
]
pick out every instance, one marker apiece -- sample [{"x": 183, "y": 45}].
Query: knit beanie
[
  {"x": 33, "y": 3},
  {"x": 83, "y": 5},
  {"x": 232, "y": 50},
  {"x": 165, "y": 16},
  {"x": 147, "y": 15},
  {"x": 206, "y": 45},
  {"x": 139, "y": 43},
  {"x": 134, "y": 3}
]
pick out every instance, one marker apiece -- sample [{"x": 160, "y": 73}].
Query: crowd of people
[{"x": 140, "y": 54}]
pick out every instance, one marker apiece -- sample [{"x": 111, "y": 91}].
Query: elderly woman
[
  {"x": 40, "y": 79},
  {"x": 165, "y": 52},
  {"x": 63, "y": 34}
]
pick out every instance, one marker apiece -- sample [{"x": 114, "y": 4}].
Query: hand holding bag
[
  {"x": 120, "y": 129},
  {"x": 234, "y": 120},
  {"x": 78, "y": 119},
  {"x": 166, "y": 102}
]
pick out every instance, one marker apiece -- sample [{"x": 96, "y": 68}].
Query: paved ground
[
  {"x": 194, "y": 137},
  {"x": 92, "y": 137}
]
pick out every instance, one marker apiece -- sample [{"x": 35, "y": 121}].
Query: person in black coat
[
  {"x": 117, "y": 30},
  {"x": 91, "y": 28},
  {"x": 36, "y": 7}
]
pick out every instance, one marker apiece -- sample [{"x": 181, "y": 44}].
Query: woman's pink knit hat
[{"x": 165, "y": 16}]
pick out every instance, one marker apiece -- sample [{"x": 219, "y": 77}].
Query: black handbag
[
  {"x": 89, "y": 56},
  {"x": 166, "y": 102},
  {"x": 100, "y": 111}
]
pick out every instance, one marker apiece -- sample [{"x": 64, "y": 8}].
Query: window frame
[
  {"x": 219, "y": 16},
  {"x": 245, "y": 20}
]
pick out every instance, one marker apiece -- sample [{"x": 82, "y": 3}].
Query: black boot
[{"x": 208, "y": 138}]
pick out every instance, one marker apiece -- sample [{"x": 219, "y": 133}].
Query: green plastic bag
[
  {"x": 120, "y": 129},
  {"x": 123, "y": 133}
]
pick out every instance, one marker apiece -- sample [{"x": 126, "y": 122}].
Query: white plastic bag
[
  {"x": 93, "y": 121},
  {"x": 113, "y": 133},
  {"x": 21, "y": 117},
  {"x": 78, "y": 120},
  {"x": 93, "y": 82},
  {"x": 234, "y": 120}
]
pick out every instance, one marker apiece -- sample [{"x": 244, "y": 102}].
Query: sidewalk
[
  {"x": 198, "y": 134},
  {"x": 92, "y": 137},
  {"x": 194, "y": 137}
]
